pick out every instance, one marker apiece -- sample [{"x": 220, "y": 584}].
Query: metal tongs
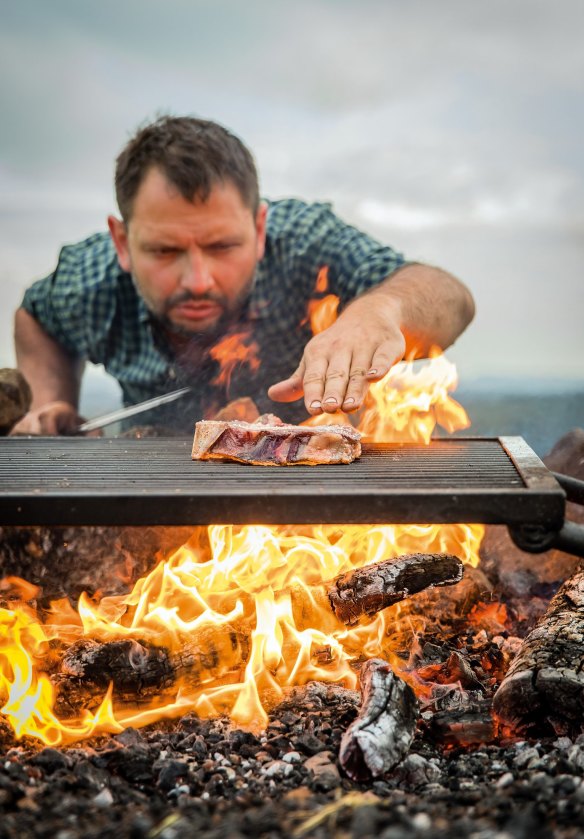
[{"x": 132, "y": 410}]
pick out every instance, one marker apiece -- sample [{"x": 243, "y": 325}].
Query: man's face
[{"x": 193, "y": 263}]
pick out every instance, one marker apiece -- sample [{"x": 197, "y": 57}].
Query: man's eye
[
  {"x": 163, "y": 251},
  {"x": 222, "y": 246}
]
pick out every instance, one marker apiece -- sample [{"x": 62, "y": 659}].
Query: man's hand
[
  {"x": 416, "y": 308},
  {"x": 53, "y": 419},
  {"x": 339, "y": 364}
]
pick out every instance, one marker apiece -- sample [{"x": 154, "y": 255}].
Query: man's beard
[
  {"x": 231, "y": 313},
  {"x": 208, "y": 334}
]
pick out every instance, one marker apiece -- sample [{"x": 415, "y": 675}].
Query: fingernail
[
  {"x": 372, "y": 372},
  {"x": 315, "y": 404},
  {"x": 330, "y": 401},
  {"x": 349, "y": 401}
]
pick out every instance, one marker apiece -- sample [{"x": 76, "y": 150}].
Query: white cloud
[{"x": 440, "y": 127}]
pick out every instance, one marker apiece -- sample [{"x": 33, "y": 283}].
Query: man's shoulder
[
  {"x": 91, "y": 261},
  {"x": 290, "y": 215}
]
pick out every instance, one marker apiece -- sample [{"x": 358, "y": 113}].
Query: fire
[
  {"x": 408, "y": 403},
  {"x": 260, "y": 584},
  {"x": 235, "y": 349},
  {"x": 322, "y": 310}
]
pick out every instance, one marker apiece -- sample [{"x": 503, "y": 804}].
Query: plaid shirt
[{"x": 90, "y": 306}]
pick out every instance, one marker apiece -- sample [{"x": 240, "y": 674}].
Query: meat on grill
[{"x": 270, "y": 442}]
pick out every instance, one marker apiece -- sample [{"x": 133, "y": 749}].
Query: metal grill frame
[{"x": 154, "y": 482}]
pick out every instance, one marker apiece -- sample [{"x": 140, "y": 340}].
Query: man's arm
[
  {"x": 414, "y": 309},
  {"x": 53, "y": 375}
]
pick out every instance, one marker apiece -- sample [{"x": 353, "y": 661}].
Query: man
[{"x": 197, "y": 257}]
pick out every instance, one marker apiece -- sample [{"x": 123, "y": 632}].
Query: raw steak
[{"x": 269, "y": 442}]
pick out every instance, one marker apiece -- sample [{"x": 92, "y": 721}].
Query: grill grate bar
[{"x": 84, "y": 481}]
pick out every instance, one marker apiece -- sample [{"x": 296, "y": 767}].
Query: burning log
[
  {"x": 368, "y": 590},
  {"x": 545, "y": 684},
  {"x": 383, "y": 731},
  {"x": 140, "y": 669}
]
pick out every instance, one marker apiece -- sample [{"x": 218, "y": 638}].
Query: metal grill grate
[{"x": 153, "y": 481}]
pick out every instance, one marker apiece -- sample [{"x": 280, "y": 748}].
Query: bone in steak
[{"x": 270, "y": 442}]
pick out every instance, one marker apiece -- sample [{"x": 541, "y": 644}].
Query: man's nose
[{"x": 195, "y": 275}]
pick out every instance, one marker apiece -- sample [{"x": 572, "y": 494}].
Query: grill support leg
[{"x": 535, "y": 538}]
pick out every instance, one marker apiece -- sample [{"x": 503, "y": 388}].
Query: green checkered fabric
[{"x": 92, "y": 309}]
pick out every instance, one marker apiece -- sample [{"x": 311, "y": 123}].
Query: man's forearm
[
  {"x": 431, "y": 307},
  {"x": 52, "y": 374}
]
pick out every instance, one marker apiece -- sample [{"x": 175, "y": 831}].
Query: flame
[
  {"x": 321, "y": 311},
  {"x": 264, "y": 584},
  {"x": 407, "y": 404},
  {"x": 235, "y": 349}
]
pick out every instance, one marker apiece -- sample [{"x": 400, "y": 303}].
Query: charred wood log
[
  {"x": 383, "y": 731},
  {"x": 544, "y": 687},
  {"x": 141, "y": 671},
  {"x": 368, "y": 590}
]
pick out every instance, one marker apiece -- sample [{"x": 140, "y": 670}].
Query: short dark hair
[{"x": 194, "y": 155}]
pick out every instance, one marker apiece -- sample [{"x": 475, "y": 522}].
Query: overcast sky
[{"x": 451, "y": 130}]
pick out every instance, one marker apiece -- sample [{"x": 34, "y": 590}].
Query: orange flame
[
  {"x": 407, "y": 404},
  {"x": 266, "y": 582},
  {"x": 235, "y": 349},
  {"x": 321, "y": 312}
]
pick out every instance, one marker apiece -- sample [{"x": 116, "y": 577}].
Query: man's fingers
[
  {"x": 314, "y": 385},
  {"x": 336, "y": 377},
  {"x": 336, "y": 380},
  {"x": 383, "y": 360},
  {"x": 357, "y": 384},
  {"x": 290, "y": 389}
]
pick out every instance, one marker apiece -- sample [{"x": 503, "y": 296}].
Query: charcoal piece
[
  {"x": 543, "y": 690},
  {"x": 51, "y": 760},
  {"x": 455, "y": 670},
  {"x": 471, "y": 725},
  {"x": 15, "y": 398},
  {"x": 368, "y": 590},
  {"x": 383, "y": 731},
  {"x": 171, "y": 773}
]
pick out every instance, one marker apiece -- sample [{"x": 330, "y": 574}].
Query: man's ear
[
  {"x": 119, "y": 233},
  {"x": 260, "y": 223}
]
